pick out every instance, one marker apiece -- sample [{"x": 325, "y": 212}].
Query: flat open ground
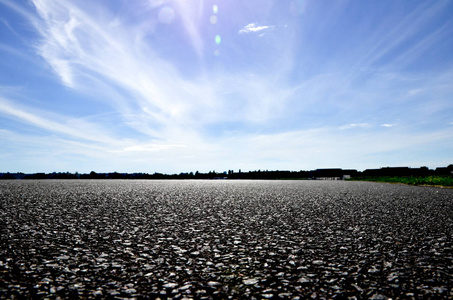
[{"x": 225, "y": 239}]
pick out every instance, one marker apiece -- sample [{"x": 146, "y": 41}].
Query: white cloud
[
  {"x": 145, "y": 89},
  {"x": 252, "y": 27},
  {"x": 387, "y": 125},
  {"x": 81, "y": 47},
  {"x": 67, "y": 126},
  {"x": 353, "y": 125},
  {"x": 56, "y": 138}
]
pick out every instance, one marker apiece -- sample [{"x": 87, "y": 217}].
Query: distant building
[{"x": 332, "y": 174}]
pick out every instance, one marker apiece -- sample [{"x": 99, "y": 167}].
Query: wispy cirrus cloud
[
  {"x": 72, "y": 135},
  {"x": 252, "y": 27},
  {"x": 80, "y": 47},
  {"x": 82, "y": 50},
  {"x": 119, "y": 67},
  {"x": 383, "y": 43},
  {"x": 50, "y": 122}
]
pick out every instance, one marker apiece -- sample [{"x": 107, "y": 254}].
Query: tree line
[{"x": 335, "y": 173}]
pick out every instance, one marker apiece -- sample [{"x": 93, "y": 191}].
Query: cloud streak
[
  {"x": 252, "y": 27},
  {"x": 78, "y": 47},
  {"x": 354, "y": 125},
  {"x": 52, "y": 123}
]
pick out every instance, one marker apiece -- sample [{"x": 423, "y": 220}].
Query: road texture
[{"x": 225, "y": 240}]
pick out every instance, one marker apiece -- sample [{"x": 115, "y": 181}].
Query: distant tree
[{"x": 7, "y": 176}]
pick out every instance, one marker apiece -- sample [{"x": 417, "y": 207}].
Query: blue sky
[{"x": 185, "y": 85}]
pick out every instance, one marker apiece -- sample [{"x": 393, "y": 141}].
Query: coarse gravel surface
[{"x": 224, "y": 239}]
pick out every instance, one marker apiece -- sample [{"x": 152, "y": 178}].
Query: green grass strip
[{"x": 412, "y": 180}]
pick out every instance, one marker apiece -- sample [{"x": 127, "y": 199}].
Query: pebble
[
  {"x": 170, "y": 285},
  {"x": 251, "y": 281}
]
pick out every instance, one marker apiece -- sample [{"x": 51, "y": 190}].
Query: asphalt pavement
[{"x": 223, "y": 239}]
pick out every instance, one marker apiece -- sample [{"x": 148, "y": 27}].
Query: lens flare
[
  {"x": 218, "y": 39},
  {"x": 215, "y": 9},
  {"x": 213, "y": 19}
]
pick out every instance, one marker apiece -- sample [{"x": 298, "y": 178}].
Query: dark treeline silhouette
[
  {"x": 405, "y": 171},
  {"x": 314, "y": 174}
]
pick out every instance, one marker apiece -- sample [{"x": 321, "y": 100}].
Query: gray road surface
[{"x": 225, "y": 240}]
